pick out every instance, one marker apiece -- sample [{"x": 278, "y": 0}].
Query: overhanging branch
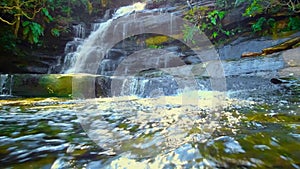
[{"x": 7, "y": 22}]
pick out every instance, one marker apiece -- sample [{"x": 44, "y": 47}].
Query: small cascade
[
  {"x": 6, "y": 82},
  {"x": 95, "y": 26},
  {"x": 72, "y": 46},
  {"x": 79, "y": 30},
  {"x": 147, "y": 87}
]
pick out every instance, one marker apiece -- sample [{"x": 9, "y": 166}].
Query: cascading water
[
  {"x": 97, "y": 55},
  {"x": 76, "y": 48},
  {"x": 80, "y": 31},
  {"x": 107, "y": 47},
  {"x": 72, "y": 46},
  {"x": 6, "y": 82}
]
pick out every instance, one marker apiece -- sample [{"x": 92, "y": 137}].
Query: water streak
[{"x": 6, "y": 82}]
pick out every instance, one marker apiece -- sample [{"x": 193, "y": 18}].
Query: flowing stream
[{"x": 151, "y": 133}]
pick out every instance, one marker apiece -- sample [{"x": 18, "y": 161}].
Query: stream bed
[{"x": 131, "y": 132}]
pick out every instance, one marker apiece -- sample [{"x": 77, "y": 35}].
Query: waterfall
[
  {"x": 98, "y": 53},
  {"x": 79, "y": 47},
  {"x": 6, "y": 82}
]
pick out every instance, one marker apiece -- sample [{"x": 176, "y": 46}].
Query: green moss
[
  {"x": 57, "y": 85},
  {"x": 156, "y": 40}
]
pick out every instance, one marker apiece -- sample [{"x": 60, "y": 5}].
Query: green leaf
[
  {"x": 294, "y": 23},
  {"x": 215, "y": 34},
  {"x": 203, "y": 26},
  {"x": 25, "y": 23},
  {"x": 46, "y": 13},
  {"x": 259, "y": 24},
  {"x": 55, "y": 32},
  {"x": 213, "y": 20},
  {"x": 254, "y": 9},
  {"x": 35, "y": 39},
  {"x": 25, "y": 31},
  {"x": 271, "y": 22},
  {"x": 221, "y": 15},
  {"x": 32, "y": 31}
]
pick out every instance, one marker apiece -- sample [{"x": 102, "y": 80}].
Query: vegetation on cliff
[
  {"x": 227, "y": 18},
  {"x": 30, "y": 19}
]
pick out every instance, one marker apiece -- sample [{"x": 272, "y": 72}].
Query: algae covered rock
[{"x": 56, "y": 85}]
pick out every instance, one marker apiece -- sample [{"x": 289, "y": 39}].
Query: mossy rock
[
  {"x": 56, "y": 85},
  {"x": 156, "y": 40}
]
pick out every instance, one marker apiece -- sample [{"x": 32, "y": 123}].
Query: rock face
[
  {"x": 244, "y": 74},
  {"x": 235, "y": 17},
  {"x": 244, "y": 45},
  {"x": 292, "y": 43}
]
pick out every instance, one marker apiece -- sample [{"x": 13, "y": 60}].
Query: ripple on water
[{"x": 145, "y": 133}]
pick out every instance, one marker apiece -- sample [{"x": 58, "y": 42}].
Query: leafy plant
[
  {"x": 259, "y": 24},
  {"x": 206, "y": 20},
  {"x": 55, "y": 32},
  {"x": 294, "y": 23},
  {"x": 264, "y": 24},
  {"x": 47, "y": 15},
  {"x": 32, "y": 31},
  {"x": 215, "y": 15},
  {"x": 255, "y": 8},
  {"x": 188, "y": 33},
  {"x": 16, "y": 11},
  {"x": 7, "y": 40}
]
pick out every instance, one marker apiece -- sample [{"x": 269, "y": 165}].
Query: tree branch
[
  {"x": 5, "y": 21},
  {"x": 33, "y": 15},
  {"x": 8, "y": 7}
]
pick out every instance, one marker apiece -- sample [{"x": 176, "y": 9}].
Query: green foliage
[
  {"x": 259, "y": 24},
  {"x": 294, "y": 23},
  {"x": 272, "y": 26},
  {"x": 55, "y": 32},
  {"x": 32, "y": 31},
  {"x": 155, "y": 46},
  {"x": 208, "y": 21},
  {"x": 257, "y": 7},
  {"x": 215, "y": 15},
  {"x": 29, "y": 18},
  {"x": 268, "y": 25},
  {"x": 47, "y": 15},
  {"x": 196, "y": 14},
  {"x": 189, "y": 32},
  {"x": 254, "y": 8},
  {"x": 7, "y": 40}
]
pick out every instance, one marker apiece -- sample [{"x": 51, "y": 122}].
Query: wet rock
[
  {"x": 277, "y": 48},
  {"x": 61, "y": 163},
  {"x": 60, "y": 85},
  {"x": 292, "y": 57},
  {"x": 190, "y": 60},
  {"x": 235, "y": 17},
  {"x": 290, "y": 71},
  {"x": 283, "y": 46},
  {"x": 243, "y": 45},
  {"x": 175, "y": 49},
  {"x": 115, "y": 54}
]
